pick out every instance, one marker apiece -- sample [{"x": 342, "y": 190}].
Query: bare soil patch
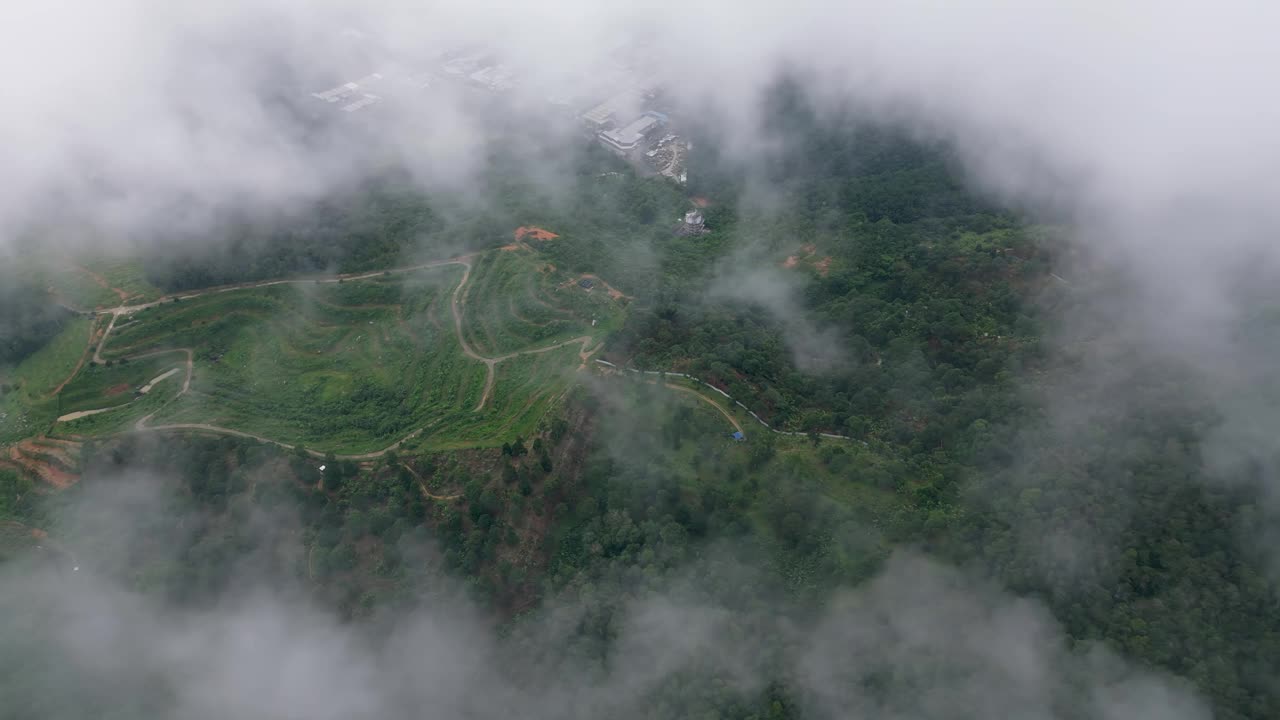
[
  {"x": 42, "y": 469},
  {"x": 595, "y": 279},
  {"x": 534, "y": 233}
]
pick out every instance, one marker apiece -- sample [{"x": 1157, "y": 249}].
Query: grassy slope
[
  {"x": 356, "y": 366},
  {"x": 517, "y": 301},
  {"x": 28, "y": 409},
  {"x": 82, "y": 283},
  {"x": 99, "y": 386}
]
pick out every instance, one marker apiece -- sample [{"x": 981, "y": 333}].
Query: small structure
[
  {"x": 605, "y": 115},
  {"x": 495, "y": 79},
  {"x": 585, "y": 283},
  {"x": 693, "y": 224},
  {"x": 738, "y": 436}
]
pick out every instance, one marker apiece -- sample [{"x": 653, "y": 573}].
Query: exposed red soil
[
  {"x": 536, "y": 233},
  {"x": 116, "y": 389},
  {"x": 806, "y": 254},
  {"x": 513, "y": 247},
  {"x": 64, "y": 454},
  {"x": 700, "y": 201},
  {"x": 40, "y": 452},
  {"x": 42, "y": 469}
]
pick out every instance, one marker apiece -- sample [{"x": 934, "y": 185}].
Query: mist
[
  {"x": 920, "y": 641},
  {"x": 1147, "y": 130}
]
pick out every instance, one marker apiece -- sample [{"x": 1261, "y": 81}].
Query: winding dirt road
[
  {"x": 690, "y": 391},
  {"x": 458, "y": 297}
]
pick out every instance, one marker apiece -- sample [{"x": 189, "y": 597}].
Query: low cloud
[
  {"x": 919, "y": 641},
  {"x": 814, "y": 348}
]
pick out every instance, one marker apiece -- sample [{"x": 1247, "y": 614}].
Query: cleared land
[
  {"x": 514, "y": 301},
  {"x": 353, "y": 366},
  {"x": 102, "y": 387}
]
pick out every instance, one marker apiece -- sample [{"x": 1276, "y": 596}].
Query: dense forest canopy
[{"x": 883, "y": 301}]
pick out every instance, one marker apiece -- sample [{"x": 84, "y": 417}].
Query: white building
[
  {"x": 495, "y": 78},
  {"x": 626, "y": 139},
  {"x": 605, "y": 115}
]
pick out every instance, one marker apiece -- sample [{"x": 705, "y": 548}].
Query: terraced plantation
[
  {"x": 514, "y": 300},
  {"x": 355, "y": 365}
]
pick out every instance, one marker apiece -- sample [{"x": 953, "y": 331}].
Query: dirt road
[
  {"x": 457, "y": 299},
  {"x": 80, "y": 364},
  {"x": 218, "y": 430},
  {"x": 690, "y": 391}
]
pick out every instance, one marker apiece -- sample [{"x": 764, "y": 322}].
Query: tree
[{"x": 518, "y": 449}]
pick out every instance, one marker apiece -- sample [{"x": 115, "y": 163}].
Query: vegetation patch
[
  {"x": 27, "y": 405},
  {"x": 516, "y": 301},
  {"x": 102, "y": 386}
]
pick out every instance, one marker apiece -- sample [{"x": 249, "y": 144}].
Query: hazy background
[
  {"x": 920, "y": 641},
  {"x": 1147, "y": 129}
]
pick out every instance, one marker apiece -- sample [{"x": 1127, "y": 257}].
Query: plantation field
[
  {"x": 514, "y": 301},
  {"x": 353, "y": 366},
  {"x": 101, "y": 386}
]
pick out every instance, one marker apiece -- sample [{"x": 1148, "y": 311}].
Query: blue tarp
[{"x": 737, "y": 435}]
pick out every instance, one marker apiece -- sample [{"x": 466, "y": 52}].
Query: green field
[
  {"x": 100, "y": 386},
  {"x": 514, "y": 301},
  {"x": 28, "y": 407},
  {"x": 356, "y": 366},
  {"x": 91, "y": 282}
]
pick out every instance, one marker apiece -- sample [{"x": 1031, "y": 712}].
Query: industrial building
[
  {"x": 496, "y": 78},
  {"x": 605, "y": 115},
  {"x": 626, "y": 139},
  {"x": 353, "y": 95}
]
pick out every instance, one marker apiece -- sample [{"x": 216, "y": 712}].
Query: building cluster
[
  {"x": 628, "y": 124},
  {"x": 373, "y": 89},
  {"x": 622, "y": 123},
  {"x": 668, "y": 156},
  {"x": 353, "y": 96},
  {"x": 481, "y": 70},
  {"x": 628, "y": 121}
]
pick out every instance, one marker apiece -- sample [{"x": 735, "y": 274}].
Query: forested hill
[
  {"x": 936, "y": 307},
  {"x": 378, "y": 224},
  {"x": 870, "y": 295}
]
